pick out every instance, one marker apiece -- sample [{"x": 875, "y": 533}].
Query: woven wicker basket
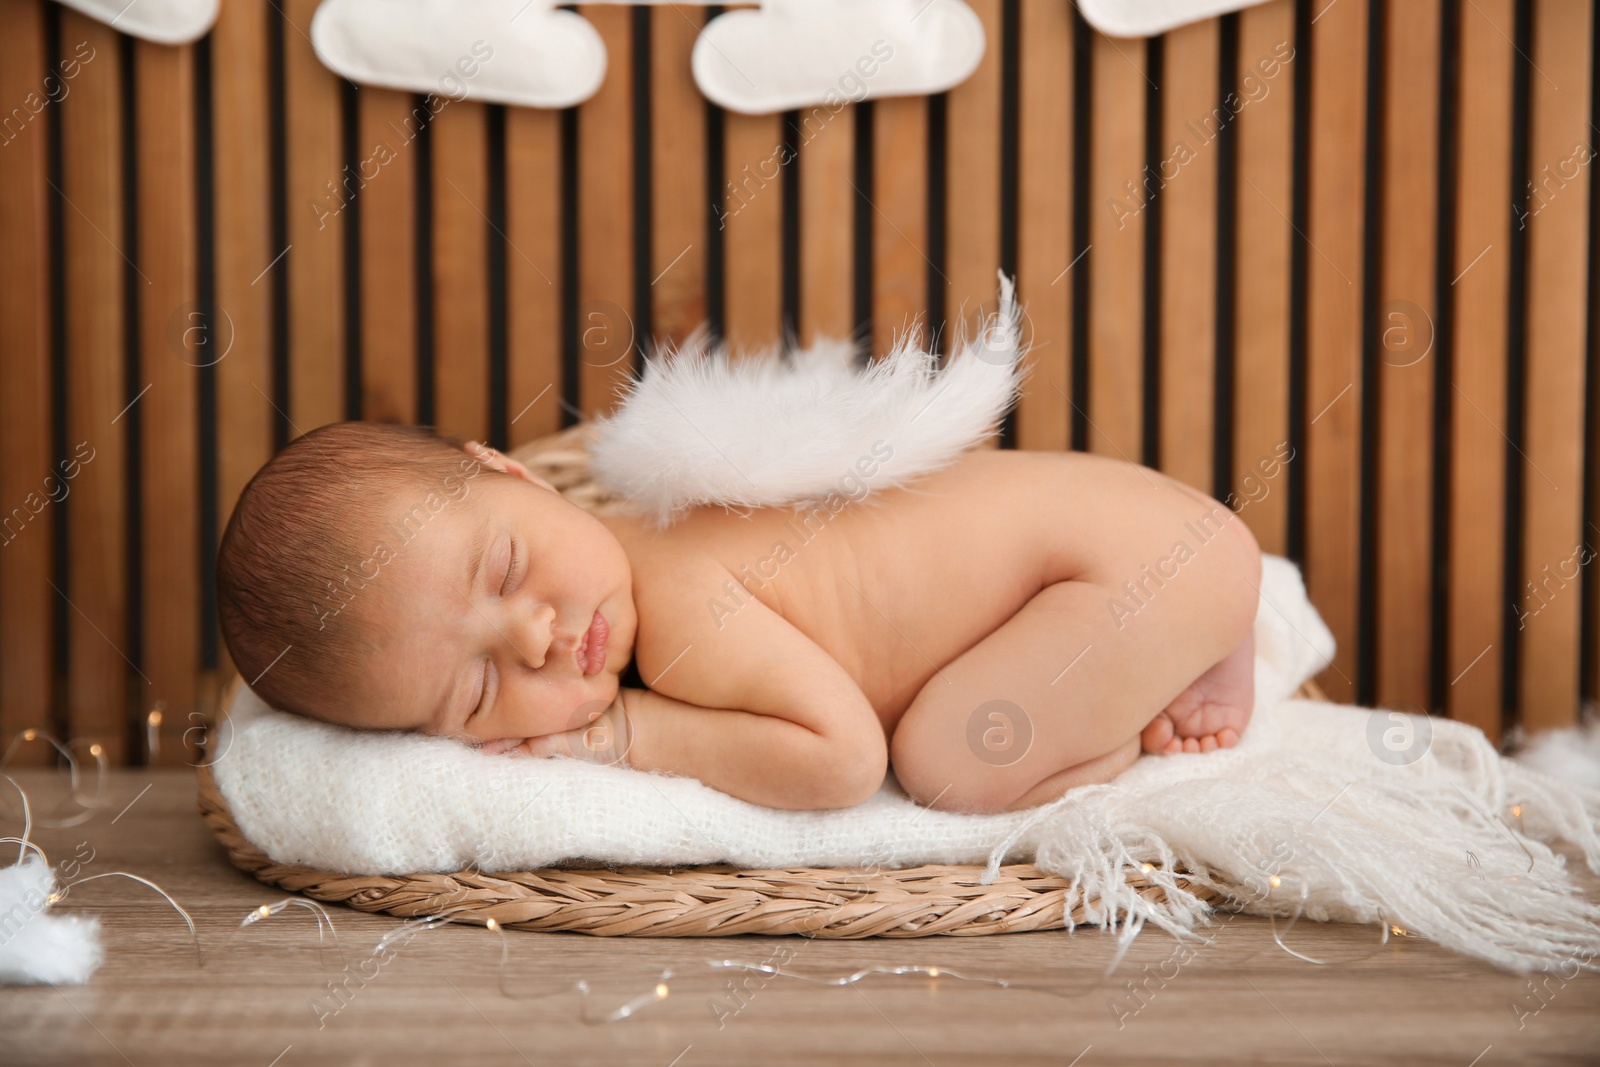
[{"x": 705, "y": 901}]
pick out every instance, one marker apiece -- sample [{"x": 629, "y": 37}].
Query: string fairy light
[
  {"x": 152, "y": 731},
  {"x": 661, "y": 988},
  {"x": 76, "y": 795},
  {"x": 25, "y": 842},
  {"x": 317, "y": 910}
]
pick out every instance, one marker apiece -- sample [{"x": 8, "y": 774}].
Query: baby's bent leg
[{"x": 1065, "y": 685}]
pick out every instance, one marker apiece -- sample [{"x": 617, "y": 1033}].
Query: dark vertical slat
[
  {"x": 422, "y": 211},
  {"x": 1010, "y": 161},
  {"x": 1366, "y": 573},
  {"x": 1446, "y": 168},
  {"x": 789, "y": 270},
  {"x": 1299, "y": 480},
  {"x": 1150, "y": 296},
  {"x": 131, "y": 414},
  {"x": 1083, "y": 120},
  {"x": 861, "y": 217},
  {"x": 1228, "y": 418},
  {"x": 643, "y": 186},
  {"x": 1516, "y": 355},
  {"x": 942, "y": 332},
  {"x": 498, "y": 281},
  {"x": 60, "y": 608}
]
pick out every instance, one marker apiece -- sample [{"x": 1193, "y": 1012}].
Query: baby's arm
[{"x": 754, "y": 708}]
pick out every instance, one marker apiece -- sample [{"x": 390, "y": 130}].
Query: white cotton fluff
[
  {"x": 36, "y": 946},
  {"x": 764, "y": 431}
]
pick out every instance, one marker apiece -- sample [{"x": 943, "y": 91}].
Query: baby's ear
[{"x": 496, "y": 460}]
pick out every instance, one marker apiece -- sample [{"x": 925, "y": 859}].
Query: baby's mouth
[{"x": 594, "y": 638}]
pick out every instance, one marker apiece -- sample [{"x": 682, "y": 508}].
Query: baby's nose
[{"x": 534, "y": 637}]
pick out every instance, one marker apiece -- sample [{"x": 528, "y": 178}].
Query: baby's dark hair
[{"x": 299, "y": 548}]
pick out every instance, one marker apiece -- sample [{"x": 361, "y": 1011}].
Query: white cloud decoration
[
  {"x": 798, "y": 53},
  {"x": 787, "y": 54},
  {"x": 161, "y": 21},
  {"x": 500, "y": 51}
]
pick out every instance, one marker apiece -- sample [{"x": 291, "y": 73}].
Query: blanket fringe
[{"x": 1452, "y": 848}]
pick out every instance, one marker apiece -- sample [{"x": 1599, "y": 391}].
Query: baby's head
[{"x": 384, "y": 577}]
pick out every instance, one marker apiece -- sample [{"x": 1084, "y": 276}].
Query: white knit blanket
[{"x": 1316, "y": 796}]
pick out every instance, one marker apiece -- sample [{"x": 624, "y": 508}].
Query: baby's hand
[{"x": 604, "y": 738}]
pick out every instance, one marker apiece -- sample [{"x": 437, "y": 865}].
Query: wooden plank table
[{"x": 442, "y": 995}]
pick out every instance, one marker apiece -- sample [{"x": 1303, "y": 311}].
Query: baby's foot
[{"x": 1212, "y": 712}]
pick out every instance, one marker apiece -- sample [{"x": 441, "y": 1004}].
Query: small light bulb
[
  {"x": 933, "y": 972},
  {"x": 52, "y": 898},
  {"x": 661, "y": 991},
  {"x": 29, "y": 735},
  {"x": 155, "y": 718},
  {"x": 1276, "y": 881},
  {"x": 1146, "y": 868},
  {"x": 95, "y": 750},
  {"x": 491, "y": 924},
  {"x": 1516, "y": 809},
  {"x": 264, "y": 911}
]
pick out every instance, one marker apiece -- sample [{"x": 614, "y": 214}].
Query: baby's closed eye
[{"x": 504, "y": 746}]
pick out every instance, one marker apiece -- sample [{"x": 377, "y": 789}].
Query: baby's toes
[
  {"x": 1208, "y": 743},
  {"x": 1227, "y": 737},
  {"x": 1191, "y": 744},
  {"x": 1158, "y": 736}
]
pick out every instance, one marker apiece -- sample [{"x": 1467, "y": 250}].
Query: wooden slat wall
[
  {"x": 240, "y": 336},
  {"x": 1336, "y": 191},
  {"x": 1480, "y": 276},
  {"x": 26, "y": 654},
  {"x": 92, "y": 159},
  {"x": 1117, "y": 197},
  {"x": 972, "y": 187},
  {"x": 1044, "y": 246},
  {"x": 389, "y": 127},
  {"x": 315, "y": 221},
  {"x": 1407, "y": 310},
  {"x": 1186, "y": 176},
  {"x": 679, "y": 206},
  {"x": 1561, "y": 141},
  {"x": 1263, "y": 199},
  {"x": 1254, "y": 209},
  {"x": 170, "y": 340}
]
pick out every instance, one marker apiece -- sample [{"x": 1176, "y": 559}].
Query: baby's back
[{"x": 897, "y": 585}]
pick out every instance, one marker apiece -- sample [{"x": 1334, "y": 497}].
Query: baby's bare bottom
[{"x": 1059, "y": 695}]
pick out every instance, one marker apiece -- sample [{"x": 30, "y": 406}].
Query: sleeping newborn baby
[{"x": 997, "y": 632}]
